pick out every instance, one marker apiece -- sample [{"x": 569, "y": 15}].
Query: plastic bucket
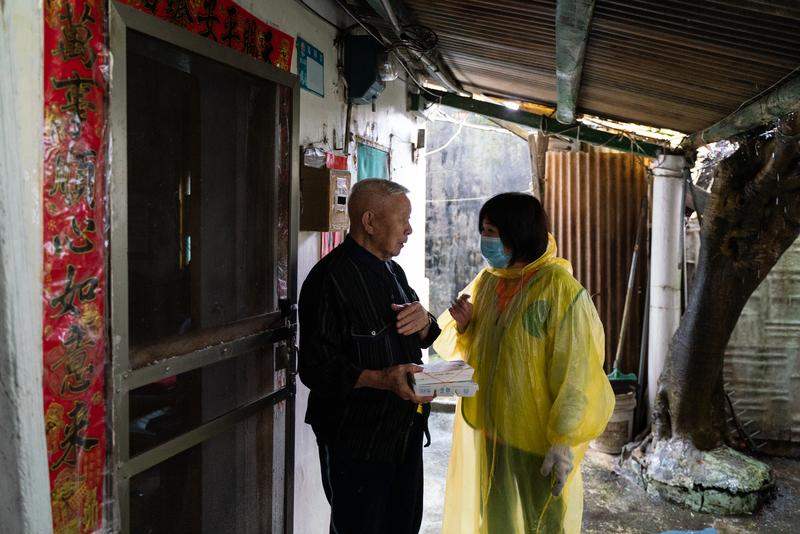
[{"x": 619, "y": 430}]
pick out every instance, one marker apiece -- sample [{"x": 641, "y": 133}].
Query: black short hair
[{"x": 521, "y": 222}]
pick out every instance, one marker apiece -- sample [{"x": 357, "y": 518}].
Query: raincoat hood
[{"x": 548, "y": 258}]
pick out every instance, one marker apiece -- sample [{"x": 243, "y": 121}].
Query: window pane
[
  {"x": 203, "y": 163},
  {"x": 163, "y": 410},
  {"x": 232, "y": 482}
]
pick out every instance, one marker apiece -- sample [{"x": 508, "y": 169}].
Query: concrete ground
[
  {"x": 614, "y": 505},
  {"x": 435, "y": 458}
]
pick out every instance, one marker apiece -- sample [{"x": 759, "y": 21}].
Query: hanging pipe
[
  {"x": 346, "y": 143},
  {"x": 432, "y": 68}
]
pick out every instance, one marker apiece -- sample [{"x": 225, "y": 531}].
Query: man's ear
[{"x": 367, "y": 220}]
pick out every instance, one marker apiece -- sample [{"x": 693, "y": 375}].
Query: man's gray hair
[
  {"x": 369, "y": 194},
  {"x": 378, "y": 184}
]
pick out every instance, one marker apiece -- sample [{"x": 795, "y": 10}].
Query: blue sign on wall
[{"x": 310, "y": 66}]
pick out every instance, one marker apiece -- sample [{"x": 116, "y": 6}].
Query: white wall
[
  {"x": 389, "y": 126},
  {"x": 24, "y": 479}
]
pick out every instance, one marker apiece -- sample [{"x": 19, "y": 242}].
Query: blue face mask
[{"x": 492, "y": 252}]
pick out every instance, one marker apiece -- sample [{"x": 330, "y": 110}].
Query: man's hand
[
  {"x": 461, "y": 312},
  {"x": 559, "y": 460},
  {"x": 394, "y": 379},
  {"x": 411, "y": 319}
]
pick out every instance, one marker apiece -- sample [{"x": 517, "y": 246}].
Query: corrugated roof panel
[
  {"x": 677, "y": 64},
  {"x": 681, "y": 65},
  {"x": 505, "y": 48}
]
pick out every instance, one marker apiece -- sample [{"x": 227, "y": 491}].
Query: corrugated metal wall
[
  {"x": 762, "y": 361},
  {"x": 593, "y": 201}
]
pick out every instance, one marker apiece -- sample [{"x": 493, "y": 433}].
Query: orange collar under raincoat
[{"x": 537, "y": 347}]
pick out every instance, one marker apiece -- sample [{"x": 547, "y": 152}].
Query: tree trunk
[{"x": 752, "y": 217}]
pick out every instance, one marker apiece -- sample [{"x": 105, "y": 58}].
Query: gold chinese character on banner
[
  {"x": 81, "y": 291},
  {"x": 78, "y": 371},
  {"x": 76, "y": 36},
  {"x": 76, "y": 90},
  {"x": 80, "y": 232},
  {"x": 179, "y": 13},
  {"x": 76, "y": 184},
  {"x": 75, "y": 441}
]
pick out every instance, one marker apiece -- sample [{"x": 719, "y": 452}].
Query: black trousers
[{"x": 374, "y": 497}]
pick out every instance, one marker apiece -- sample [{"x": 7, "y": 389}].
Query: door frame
[{"x": 239, "y": 337}]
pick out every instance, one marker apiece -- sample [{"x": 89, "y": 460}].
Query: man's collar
[{"x": 365, "y": 256}]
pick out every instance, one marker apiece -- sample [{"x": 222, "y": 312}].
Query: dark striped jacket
[{"x": 346, "y": 326}]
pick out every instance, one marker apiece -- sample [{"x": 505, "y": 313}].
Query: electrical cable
[
  {"x": 481, "y": 128},
  {"x": 423, "y": 43},
  {"x": 402, "y": 64},
  {"x": 308, "y": 7},
  {"x": 634, "y": 142},
  {"x": 439, "y": 200},
  {"x": 447, "y": 118},
  {"x": 353, "y": 16},
  {"x": 764, "y": 91},
  {"x": 639, "y": 158},
  {"x": 380, "y": 40},
  {"x": 448, "y": 142}
]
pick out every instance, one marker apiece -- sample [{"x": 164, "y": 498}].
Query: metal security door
[{"x": 203, "y": 262}]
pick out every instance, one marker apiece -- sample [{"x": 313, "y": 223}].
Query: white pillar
[
  {"x": 24, "y": 478},
  {"x": 665, "y": 274}
]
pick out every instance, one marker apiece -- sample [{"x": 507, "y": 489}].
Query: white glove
[{"x": 559, "y": 459}]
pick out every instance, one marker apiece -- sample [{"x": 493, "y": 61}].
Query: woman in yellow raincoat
[{"x": 533, "y": 336}]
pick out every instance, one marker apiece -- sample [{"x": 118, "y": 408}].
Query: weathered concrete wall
[
  {"x": 24, "y": 481},
  {"x": 592, "y": 201},
  {"x": 475, "y": 166}
]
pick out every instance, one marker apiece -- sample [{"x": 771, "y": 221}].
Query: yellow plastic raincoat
[{"x": 537, "y": 347}]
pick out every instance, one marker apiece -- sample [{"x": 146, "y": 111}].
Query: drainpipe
[{"x": 665, "y": 275}]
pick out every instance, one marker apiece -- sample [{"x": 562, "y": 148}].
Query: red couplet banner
[
  {"x": 74, "y": 260},
  {"x": 226, "y": 23}
]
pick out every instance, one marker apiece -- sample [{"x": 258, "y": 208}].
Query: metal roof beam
[
  {"x": 776, "y": 104},
  {"x": 550, "y": 126},
  {"x": 573, "y": 18}
]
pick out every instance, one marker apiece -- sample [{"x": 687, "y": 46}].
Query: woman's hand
[{"x": 461, "y": 311}]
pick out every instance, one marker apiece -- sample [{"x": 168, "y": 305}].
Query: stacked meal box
[{"x": 448, "y": 379}]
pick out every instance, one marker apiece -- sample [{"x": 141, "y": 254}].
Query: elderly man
[{"x": 361, "y": 331}]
